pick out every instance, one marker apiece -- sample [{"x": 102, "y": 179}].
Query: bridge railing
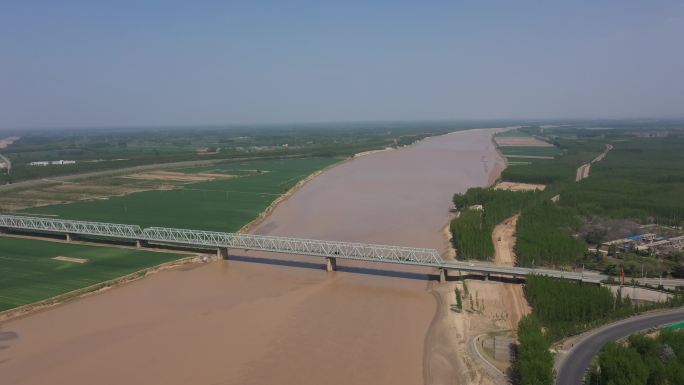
[
  {"x": 320, "y": 248},
  {"x": 346, "y": 250}
]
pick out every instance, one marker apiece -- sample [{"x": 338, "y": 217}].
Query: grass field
[
  {"x": 219, "y": 205},
  {"x": 29, "y": 273},
  {"x": 512, "y": 133},
  {"x": 535, "y": 151},
  {"x": 561, "y": 169}
]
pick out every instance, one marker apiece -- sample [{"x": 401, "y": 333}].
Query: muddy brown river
[{"x": 270, "y": 319}]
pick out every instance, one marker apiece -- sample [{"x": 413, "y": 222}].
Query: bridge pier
[
  {"x": 330, "y": 264},
  {"x": 486, "y": 277},
  {"x": 222, "y": 252},
  {"x": 443, "y": 275},
  {"x": 69, "y": 237},
  {"x": 141, "y": 243}
]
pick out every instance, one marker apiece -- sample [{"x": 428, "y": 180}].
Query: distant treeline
[
  {"x": 106, "y": 149},
  {"x": 641, "y": 178},
  {"x": 561, "y": 169}
]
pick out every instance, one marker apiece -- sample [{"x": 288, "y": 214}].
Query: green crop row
[
  {"x": 29, "y": 272},
  {"x": 219, "y": 205}
]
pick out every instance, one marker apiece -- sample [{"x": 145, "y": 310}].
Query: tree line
[
  {"x": 561, "y": 308},
  {"x": 643, "y": 360},
  {"x": 472, "y": 230},
  {"x": 543, "y": 236},
  {"x": 566, "y": 308},
  {"x": 534, "y": 361}
]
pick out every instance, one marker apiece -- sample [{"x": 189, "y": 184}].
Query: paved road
[
  {"x": 575, "y": 364},
  {"x": 667, "y": 282}
]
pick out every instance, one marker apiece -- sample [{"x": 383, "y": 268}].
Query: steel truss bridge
[{"x": 331, "y": 250}]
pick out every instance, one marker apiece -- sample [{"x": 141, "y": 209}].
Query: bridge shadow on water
[
  {"x": 380, "y": 272},
  {"x": 340, "y": 268},
  {"x": 368, "y": 270}
]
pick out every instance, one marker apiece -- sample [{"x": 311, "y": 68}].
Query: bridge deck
[{"x": 299, "y": 246}]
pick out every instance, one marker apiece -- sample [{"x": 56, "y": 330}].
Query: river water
[{"x": 261, "y": 318}]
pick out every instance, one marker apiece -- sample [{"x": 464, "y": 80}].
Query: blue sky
[{"x": 118, "y": 63}]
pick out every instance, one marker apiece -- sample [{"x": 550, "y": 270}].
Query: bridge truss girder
[
  {"x": 64, "y": 226},
  {"x": 319, "y": 248}
]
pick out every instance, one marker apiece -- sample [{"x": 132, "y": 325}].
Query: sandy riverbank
[
  {"x": 492, "y": 306},
  {"x": 284, "y": 319}
]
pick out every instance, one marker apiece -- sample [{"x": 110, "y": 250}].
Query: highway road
[{"x": 574, "y": 365}]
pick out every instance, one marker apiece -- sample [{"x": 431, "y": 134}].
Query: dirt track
[
  {"x": 513, "y": 186},
  {"x": 503, "y": 237},
  {"x": 491, "y": 306},
  {"x": 583, "y": 170}
]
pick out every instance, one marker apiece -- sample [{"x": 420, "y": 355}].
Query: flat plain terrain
[
  {"x": 263, "y": 323},
  {"x": 196, "y": 202},
  {"x": 530, "y": 150},
  {"x": 33, "y": 270}
]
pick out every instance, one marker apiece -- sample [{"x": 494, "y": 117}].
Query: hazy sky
[{"x": 94, "y": 63}]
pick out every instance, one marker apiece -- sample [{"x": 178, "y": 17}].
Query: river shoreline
[
  {"x": 270, "y": 320},
  {"x": 61, "y": 299},
  {"x": 447, "y": 356},
  {"x": 282, "y": 198}
]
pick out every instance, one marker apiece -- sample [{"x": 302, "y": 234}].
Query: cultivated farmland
[
  {"x": 221, "y": 204},
  {"x": 33, "y": 270}
]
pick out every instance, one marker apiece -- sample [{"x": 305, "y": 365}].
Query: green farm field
[
  {"x": 29, "y": 273},
  {"x": 534, "y": 151},
  {"x": 513, "y": 133},
  {"x": 218, "y": 205}
]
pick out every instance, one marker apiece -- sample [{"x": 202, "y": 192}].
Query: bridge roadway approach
[{"x": 330, "y": 250}]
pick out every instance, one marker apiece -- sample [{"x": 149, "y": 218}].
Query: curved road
[{"x": 575, "y": 364}]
